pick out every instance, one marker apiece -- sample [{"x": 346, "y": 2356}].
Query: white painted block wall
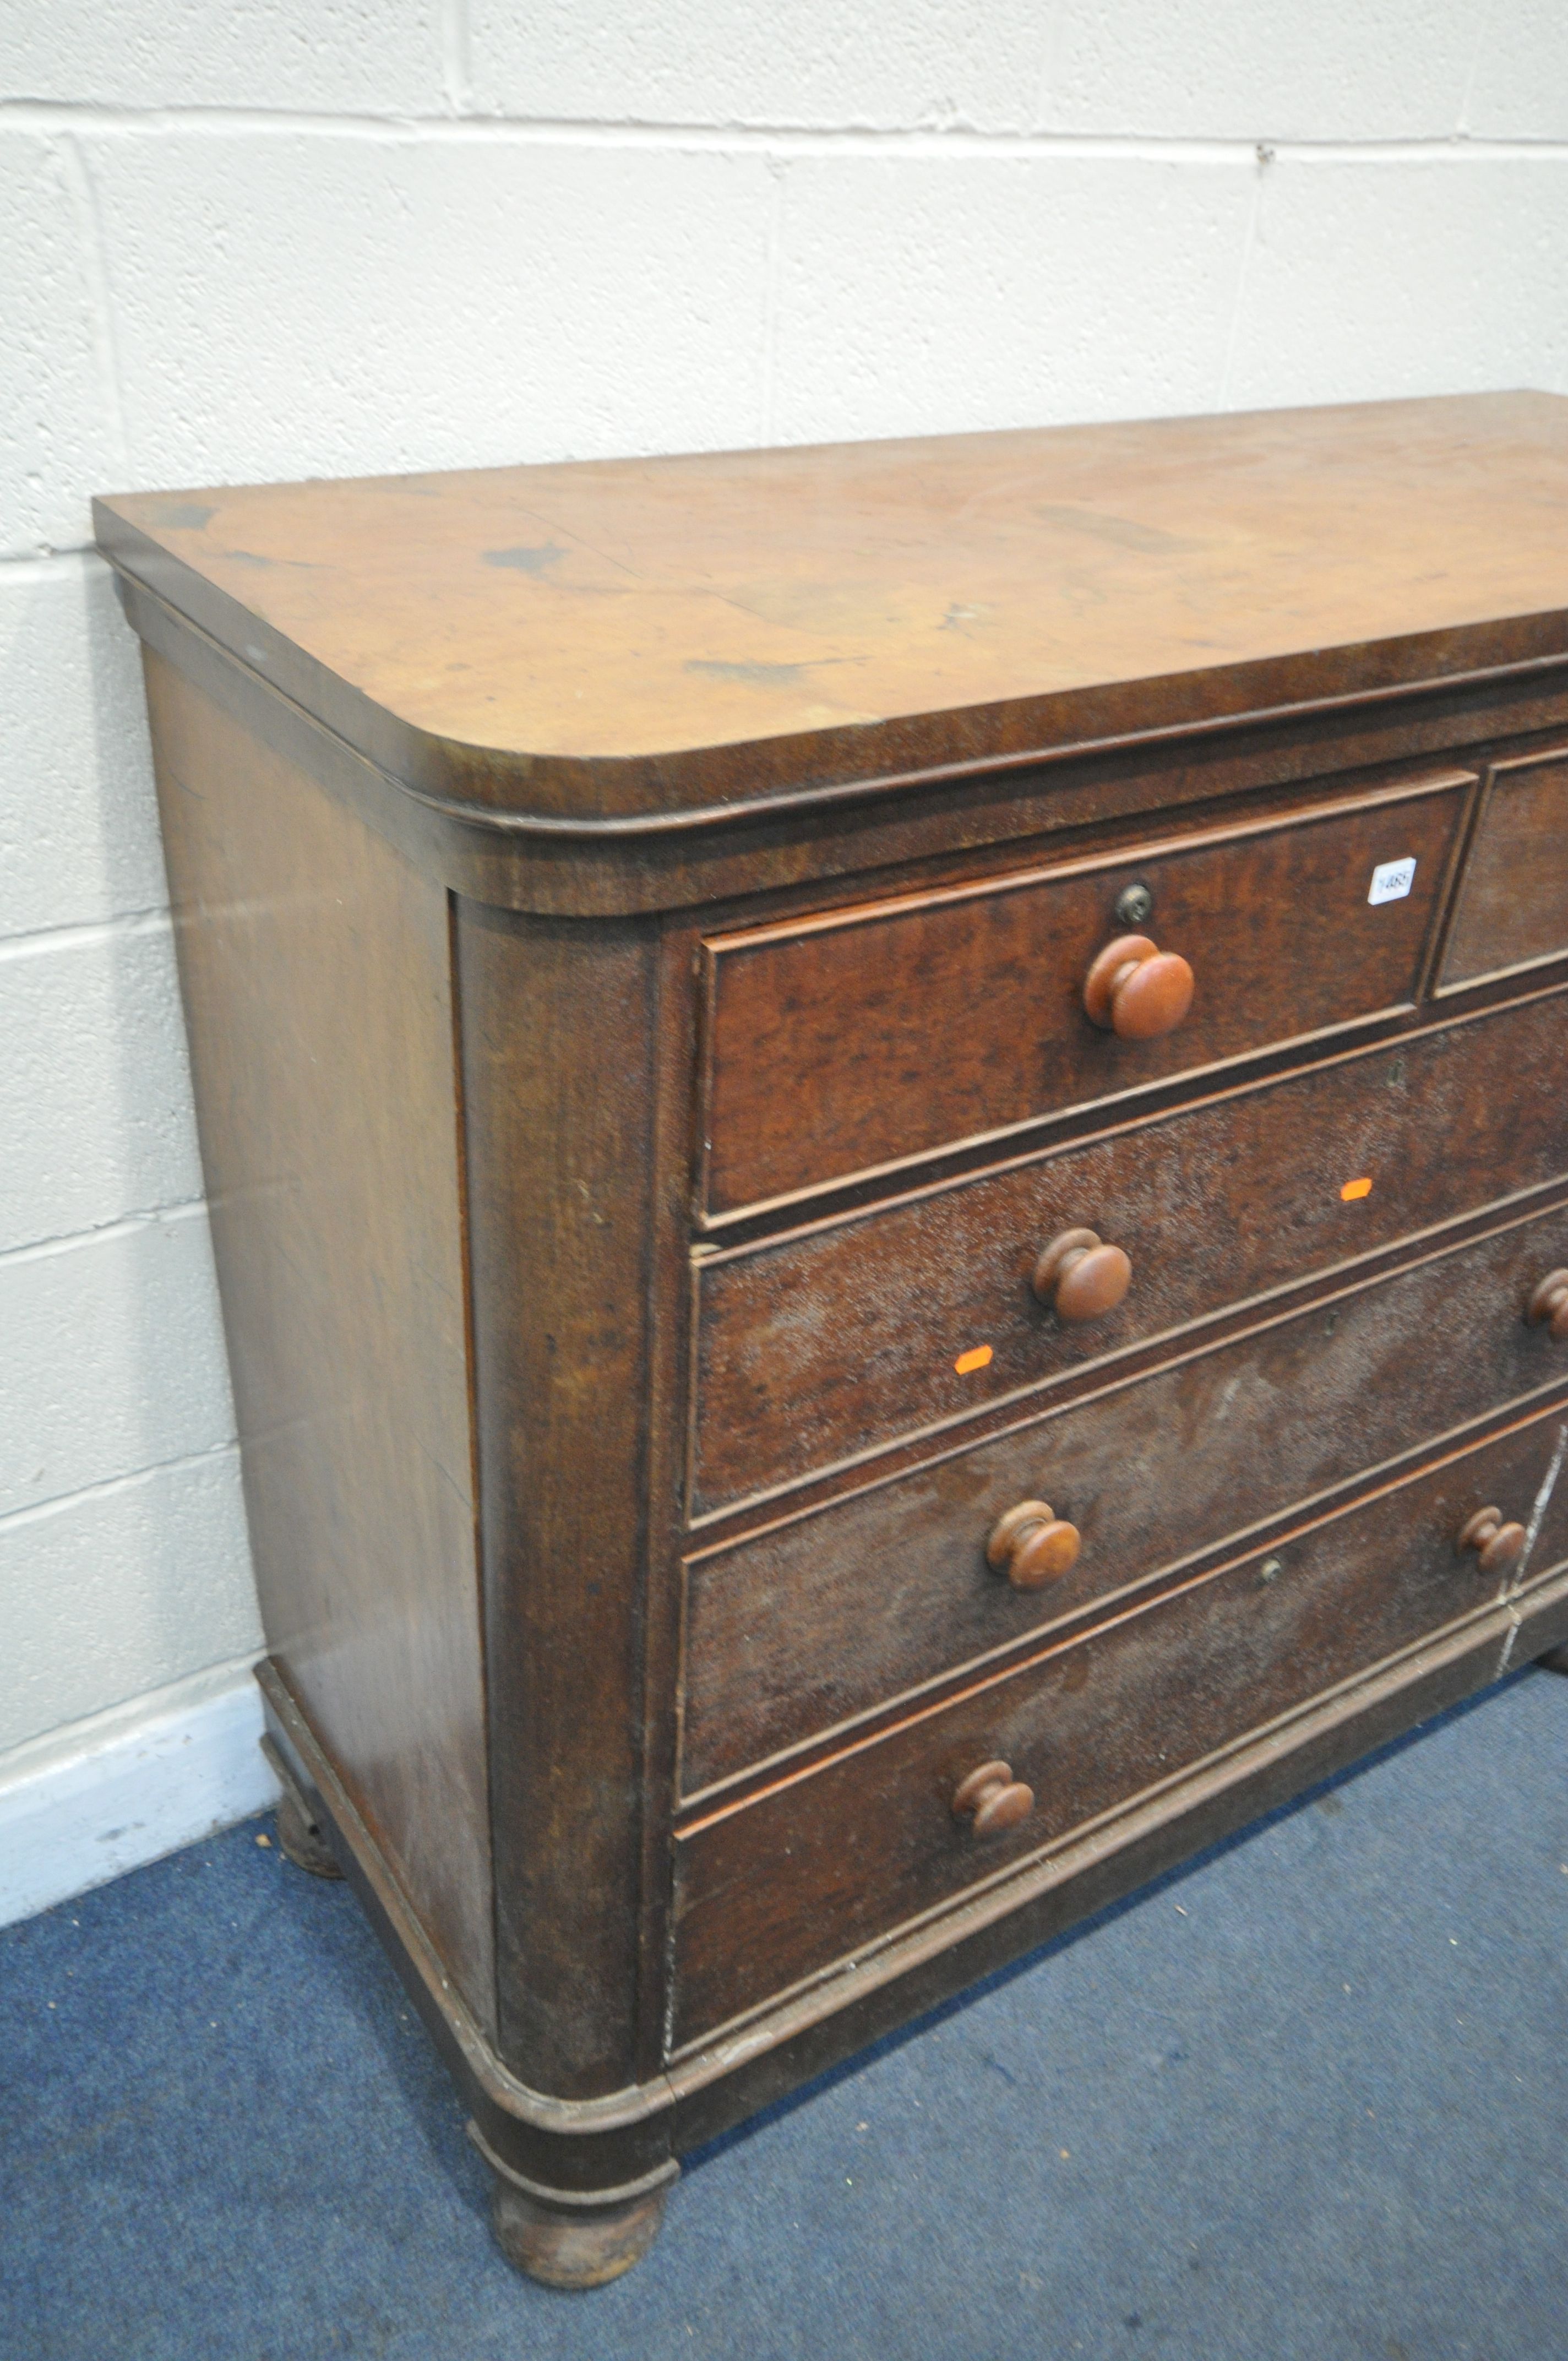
[{"x": 285, "y": 237}]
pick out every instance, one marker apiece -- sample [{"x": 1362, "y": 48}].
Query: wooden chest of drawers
[{"x": 886, "y": 1140}]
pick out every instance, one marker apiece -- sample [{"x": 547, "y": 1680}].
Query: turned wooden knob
[
  {"x": 1136, "y": 990},
  {"x": 1549, "y": 1302},
  {"x": 1081, "y": 1276},
  {"x": 1496, "y": 1546},
  {"x": 1031, "y": 1544},
  {"x": 997, "y": 1799}
]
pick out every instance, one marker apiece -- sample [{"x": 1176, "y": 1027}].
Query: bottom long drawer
[{"x": 778, "y": 1886}]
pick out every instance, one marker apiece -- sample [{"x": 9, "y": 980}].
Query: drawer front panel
[
  {"x": 841, "y": 1043},
  {"x": 839, "y": 1609},
  {"x": 782, "y": 1886},
  {"x": 1513, "y": 903},
  {"x": 841, "y": 1339}
]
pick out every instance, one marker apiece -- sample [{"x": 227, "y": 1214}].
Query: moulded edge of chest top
[{"x": 685, "y": 859}]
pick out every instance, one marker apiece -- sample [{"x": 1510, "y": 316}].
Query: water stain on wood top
[{"x": 607, "y": 635}]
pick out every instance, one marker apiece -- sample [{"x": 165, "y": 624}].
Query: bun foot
[
  {"x": 578, "y": 2249},
  {"x": 1554, "y": 1661},
  {"x": 574, "y": 2238},
  {"x": 301, "y": 1836},
  {"x": 302, "y": 1839}
]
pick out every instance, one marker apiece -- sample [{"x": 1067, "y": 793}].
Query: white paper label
[{"x": 1392, "y": 879}]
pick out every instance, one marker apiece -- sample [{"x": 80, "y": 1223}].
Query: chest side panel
[{"x": 316, "y": 971}]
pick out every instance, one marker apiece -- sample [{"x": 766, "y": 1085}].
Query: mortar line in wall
[
  {"x": 83, "y": 191},
  {"x": 50, "y": 116},
  {"x": 43, "y": 564},
  {"x": 41, "y": 942},
  {"x": 61, "y": 1503},
  {"x": 124, "y": 1225}
]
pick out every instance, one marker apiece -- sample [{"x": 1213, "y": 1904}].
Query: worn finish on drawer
[
  {"x": 1513, "y": 900},
  {"x": 838, "y": 1340},
  {"x": 859, "y": 1038},
  {"x": 839, "y": 1610},
  {"x": 776, "y": 1888}
]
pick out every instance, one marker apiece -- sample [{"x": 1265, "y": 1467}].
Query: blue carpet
[{"x": 1306, "y": 2098}]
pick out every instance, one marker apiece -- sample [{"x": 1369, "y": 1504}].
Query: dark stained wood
[
  {"x": 775, "y": 1889},
  {"x": 895, "y": 1981},
  {"x": 558, "y": 1061},
  {"x": 820, "y": 1345},
  {"x": 633, "y": 638},
  {"x": 587, "y": 2148},
  {"x": 1513, "y": 908},
  {"x": 873, "y": 1035},
  {"x": 315, "y": 966},
  {"x": 595, "y": 2145},
  {"x": 908, "y": 737},
  {"x": 832, "y": 1612},
  {"x": 669, "y": 1390},
  {"x": 953, "y": 820}
]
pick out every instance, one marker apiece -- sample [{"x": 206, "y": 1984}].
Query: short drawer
[
  {"x": 1512, "y": 909},
  {"x": 779, "y": 1887},
  {"x": 859, "y": 1038},
  {"x": 834, "y": 1341},
  {"x": 825, "y": 1614}
]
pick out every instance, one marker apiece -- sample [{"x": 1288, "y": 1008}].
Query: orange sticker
[
  {"x": 1354, "y": 1189},
  {"x": 976, "y": 1358}
]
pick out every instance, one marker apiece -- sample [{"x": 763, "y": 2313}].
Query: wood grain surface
[
  {"x": 778, "y": 1887},
  {"x": 835, "y": 1610},
  {"x": 316, "y": 971},
  {"x": 872, "y": 1034},
  {"x": 634, "y": 636},
  {"x": 818, "y": 1346},
  {"x": 1513, "y": 906},
  {"x": 597, "y": 886},
  {"x": 558, "y": 1027}
]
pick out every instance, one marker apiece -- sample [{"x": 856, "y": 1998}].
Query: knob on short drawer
[
  {"x": 1081, "y": 1276},
  {"x": 996, "y": 1799},
  {"x": 1031, "y": 1544},
  {"x": 1136, "y": 990},
  {"x": 1496, "y": 1546},
  {"x": 1549, "y": 1302}
]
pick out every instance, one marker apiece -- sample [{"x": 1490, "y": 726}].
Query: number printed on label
[{"x": 1392, "y": 879}]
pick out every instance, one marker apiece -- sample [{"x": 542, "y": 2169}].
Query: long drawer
[
  {"x": 778, "y": 1887},
  {"x": 829, "y": 1612},
  {"x": 859, "y": 1038},
  {"x": 837, "y": 1340}
]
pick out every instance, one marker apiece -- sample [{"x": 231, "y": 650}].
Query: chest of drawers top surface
[{"x": 633, "y": 642}]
